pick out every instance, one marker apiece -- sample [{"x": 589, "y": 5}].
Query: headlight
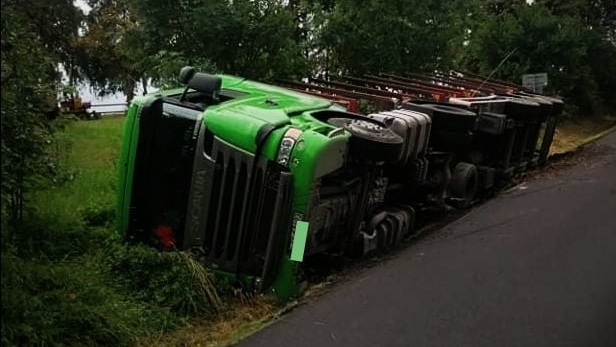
[{"x": 286, "y": 145}]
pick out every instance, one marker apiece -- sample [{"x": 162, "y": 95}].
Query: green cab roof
[
  {"x": 269, "y": 97},
  {"x": 259, "y": 100}
]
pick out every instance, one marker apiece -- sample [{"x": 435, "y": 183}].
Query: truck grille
[{"x": 239, "y": 211}]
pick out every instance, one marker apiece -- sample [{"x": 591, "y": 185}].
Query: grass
[
  {"x": 570, "y": 134},
  {"x": 239, "y": 320},
  {"x": 87, "y": 153},
  {"x": 67, "y": 279}
]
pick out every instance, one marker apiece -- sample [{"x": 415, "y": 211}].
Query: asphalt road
[{"x": 535, "y": 266}]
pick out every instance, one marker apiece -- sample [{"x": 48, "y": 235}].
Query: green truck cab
[{"x": 228, "y": 168}]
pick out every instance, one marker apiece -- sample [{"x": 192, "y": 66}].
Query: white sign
[{"x": 535, "y": 82}]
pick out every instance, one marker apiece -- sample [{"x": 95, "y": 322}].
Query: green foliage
[
  {"x": 73, "y": 302},
  {"x": 172, "y": 280},
  {"x": 53, "y": 22},
  {"x": 84, "y": 288},
  {"x": 64, "y": 281},
  {"x": 54, "y": 239},
  {"x": 28, "y": 78},
  {"x": 247, "y": 38},
  {"x": 65, "y": 303},
  {"x": 574, "y": 57},
  {"x": 98, "y": 216},
  {"x": 165, "y": 65},
  {"x": 400, "y": 36},
  {"x": 107, "y": 53},
  {"x": 87, "y": 177},
  {"x": 595, "y": 14}
]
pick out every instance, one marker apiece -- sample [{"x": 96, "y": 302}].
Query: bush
[
  {"x": 52, "y": 239},
  {"x": 98, "y": 216},
  {"x": 166, "y": 279},
  {"x": 67, "y": 304},
  {"x": 83, "y": 287}
]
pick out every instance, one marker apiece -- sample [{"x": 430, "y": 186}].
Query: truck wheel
[
  {"x": 371, "y": 139},
  {"x": 464, "y": 182}
]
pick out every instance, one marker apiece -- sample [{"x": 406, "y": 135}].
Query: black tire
[
  {"x": 464, "y": 182},
  {"x": 371, "y": 140},
  {"x": 444, "y": 116}
]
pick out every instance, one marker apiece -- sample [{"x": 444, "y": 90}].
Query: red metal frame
[
  {"x": 382, "y": 103},
  {"x": 387, "y": 90}
]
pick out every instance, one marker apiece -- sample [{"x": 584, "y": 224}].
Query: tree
[
  {"x": 398, "y": 36},
  {"x": 593, "y": 14},
  {"x": 30, "y": 54},
  {"x": 108, "y": 53},
  {"x": 499, "y": 7},
  {"x": 255, "y": 39},
  {"x": 543, "y": 42}
]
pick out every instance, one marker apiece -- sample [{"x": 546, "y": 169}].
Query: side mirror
[{"x": 186, "y": 74}]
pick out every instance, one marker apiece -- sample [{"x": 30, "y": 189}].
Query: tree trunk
[
  {"x": 128, "y": 88},
  {"x": 144, "y": 82}
]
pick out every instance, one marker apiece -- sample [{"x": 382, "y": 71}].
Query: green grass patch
[
  {"x": 68, "y": 280},
  {"x": 87, "y": 153},
  {"x": 71, "y": 302}
]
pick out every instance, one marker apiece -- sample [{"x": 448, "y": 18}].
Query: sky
[{"x": 82, "y": 5}]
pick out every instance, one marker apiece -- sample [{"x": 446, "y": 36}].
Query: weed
[
  {"x": 65, "y": 303},
  {"x": 98, "y": 215},
  {"x": 166, "y": 279}
]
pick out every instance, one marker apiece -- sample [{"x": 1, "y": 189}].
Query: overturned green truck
[{"x": 254, "y": 179}]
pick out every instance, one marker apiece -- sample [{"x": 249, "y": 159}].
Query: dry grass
[
  {"x": 204, "y": 280},
  {"x": 571, "y": 134},
  {"x": 237, "y": 320}
]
